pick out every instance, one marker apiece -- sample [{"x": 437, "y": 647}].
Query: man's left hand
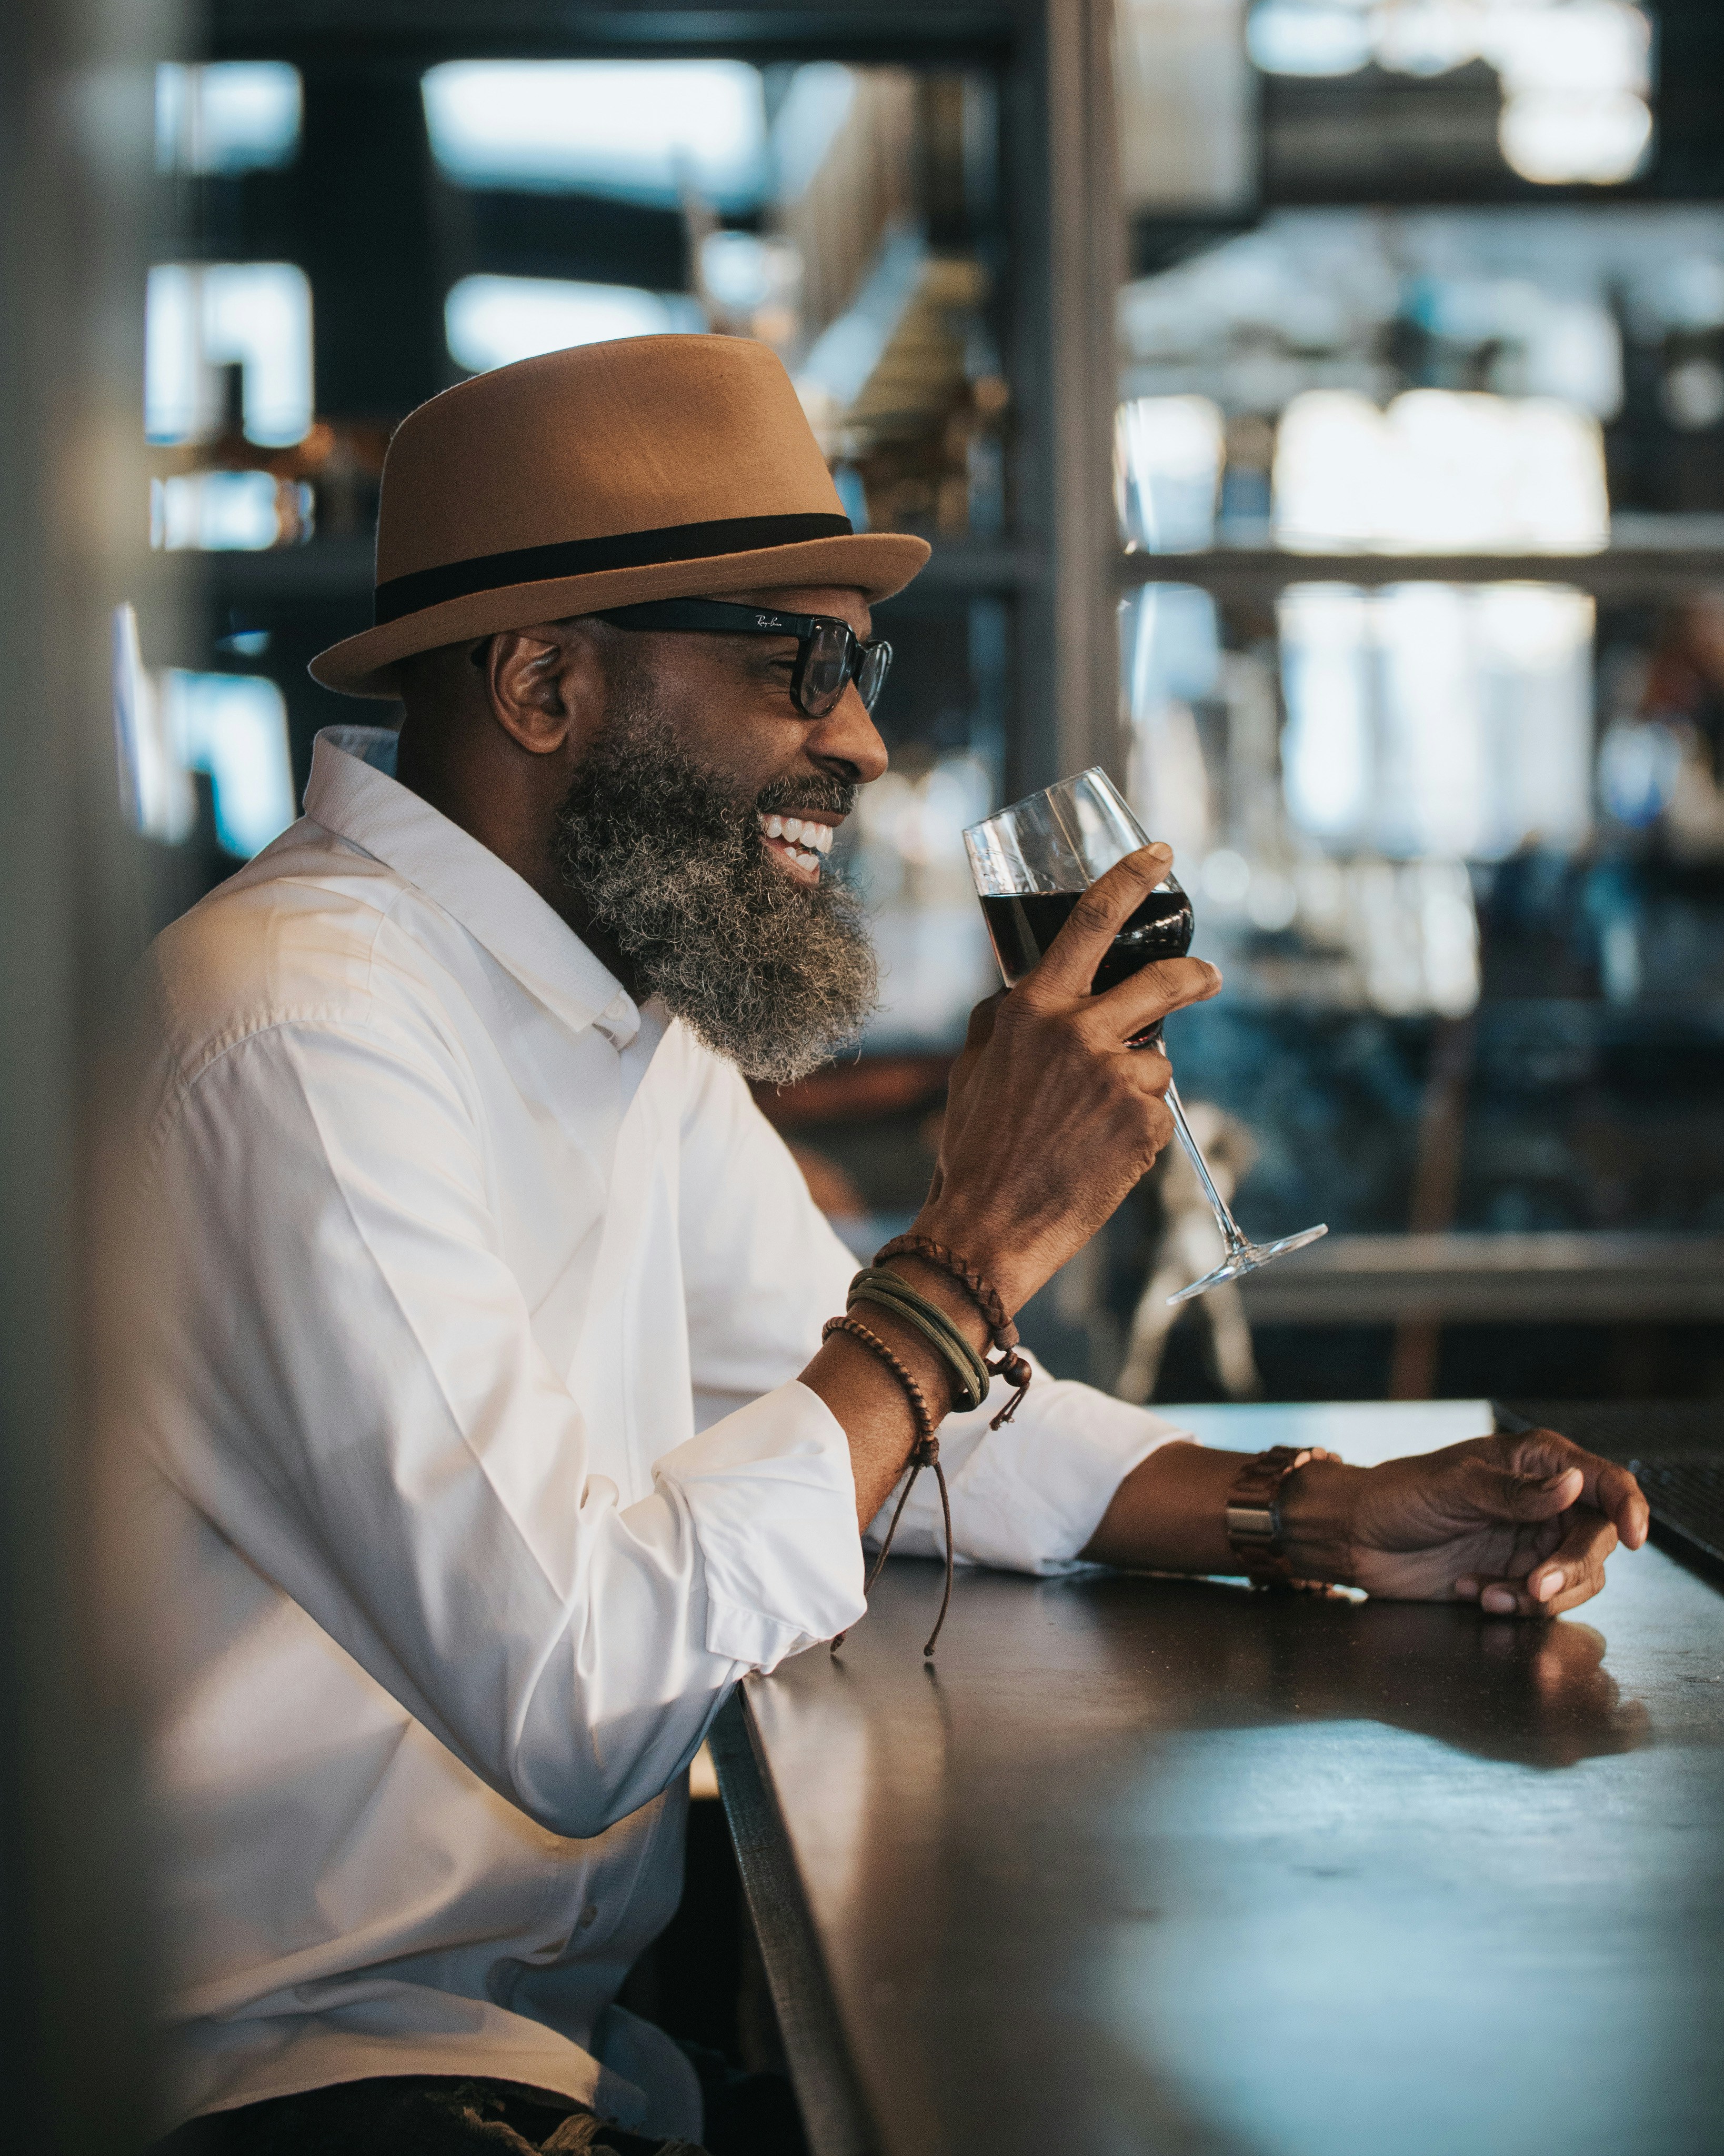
[{"x": 1522, "y": 1525}]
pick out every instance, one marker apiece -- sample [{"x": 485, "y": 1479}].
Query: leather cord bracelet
[
  {"x": 925, "y": 1453},
  {"x": 891, "y": 1291},
  {"x": 982, "y": 1291}
]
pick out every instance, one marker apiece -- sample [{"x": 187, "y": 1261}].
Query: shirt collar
[{"x": 354, "y": 792}]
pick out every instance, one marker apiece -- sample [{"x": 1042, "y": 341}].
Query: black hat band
[{"x": 588, "y": 558}]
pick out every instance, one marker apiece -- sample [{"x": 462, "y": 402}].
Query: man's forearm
[
  {"x": 1170, "y": 1515},
  {"x": 869, "y": 1402}
]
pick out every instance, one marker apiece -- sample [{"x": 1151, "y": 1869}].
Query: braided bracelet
[
  {"x": 891, "y": 1291},
  {"x": 1011, "y": 1365},
  {"x": 925, "y": 1453}
]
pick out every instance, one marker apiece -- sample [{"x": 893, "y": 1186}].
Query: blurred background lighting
[
  {"x": 750, "y": 286},
  {"x": 1440, "y": 471},
  {"x": 222, "y": 511},
  {"x": 156, "y": 795},
  {"x": 817, "y": 105},
  {"x": 653, "y": 131},
  {"x": 234, "y": 726},
  {"x": 201, "y": 317},
  {"x": 1439, "y": 718},
  {"x": 491, "y": 321},
  {"x": 1285, "y": 37},
  {"x": 907, "y": 860},
  {"x": 1555, "y": 138},
  {"x": 1638, "y": 767},
  {"x": 1171, "y": 655},
  {"x": 736, "y": 268},
  {"x": 1168, "y": 458},
  {"x": 231, "y": 116},
  {"x": 1693, "y": 395},
  {"x": 1326, "y": 754},
  {"x": 1226, "y": 878},
  {"x": 1575, "y": 74},
  {"x": 1425, "y": 37}
]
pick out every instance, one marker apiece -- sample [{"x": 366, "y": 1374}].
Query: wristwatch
[{"x": 1254, "y": 1512}]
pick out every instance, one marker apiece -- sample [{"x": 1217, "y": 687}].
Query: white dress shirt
[{"x": 471, "y": 1468}]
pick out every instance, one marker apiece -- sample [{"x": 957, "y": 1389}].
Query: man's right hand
[{"x": 1051, "y": 1119}]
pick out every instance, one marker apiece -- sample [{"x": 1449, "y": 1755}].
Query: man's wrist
[
  {"x": 984, "y": 1248},
  {"x": 927, "y": 1364},
  {"x": 936, "y": 1286},
  {"x": 1318, "y": 1505}
]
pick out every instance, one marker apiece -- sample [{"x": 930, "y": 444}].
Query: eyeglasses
[{"x": 829, "y": 655}]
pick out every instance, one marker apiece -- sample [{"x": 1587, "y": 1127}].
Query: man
[{"x": 487, "y": 1434}]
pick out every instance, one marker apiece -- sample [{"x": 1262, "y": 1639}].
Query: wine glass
[{"x": 1031, "y": 863}]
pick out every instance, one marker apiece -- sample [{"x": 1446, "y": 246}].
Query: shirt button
[{"x": 589, "y": 1915}]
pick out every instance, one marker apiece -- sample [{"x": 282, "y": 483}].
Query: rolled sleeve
[
  {"x": 763, "y": 1270},
  {"x": 772, "y": 1497},
  {"x": 1030, "y": 1496}
]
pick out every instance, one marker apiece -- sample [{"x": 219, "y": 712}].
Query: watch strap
[{"x": 1254, "y": 1511}]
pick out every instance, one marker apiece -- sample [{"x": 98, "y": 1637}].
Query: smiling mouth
[{"x": 798, "y": 843}]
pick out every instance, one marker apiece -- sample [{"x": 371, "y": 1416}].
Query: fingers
[
  {"x": 980, "y": 1030},
  {"x": 1572, "y": 1573},
  {"x": 1069, "y": 965},
  {"x": 1160, "y": 1130},
  {"x": 1614, "y": 1492},
  {"x": 1169, "y": 984},
  {"x": 1499, "y": 1493},
  {"x": 1068, "y": 968},
  {"x": 1605, "y": 1486},
  {"x": 976, "y": 1035}
]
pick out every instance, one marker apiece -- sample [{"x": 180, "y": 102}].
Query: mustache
[{"x": 837, "y": 796}]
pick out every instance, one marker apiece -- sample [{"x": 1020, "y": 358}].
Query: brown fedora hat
[{"x": 651, "y": 468}]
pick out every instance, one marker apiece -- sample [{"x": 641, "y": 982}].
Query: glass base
[{"x": 1248, "y": 1258}]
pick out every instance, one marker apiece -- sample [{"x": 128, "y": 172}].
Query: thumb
[{"x": 1498, "y": 1494}]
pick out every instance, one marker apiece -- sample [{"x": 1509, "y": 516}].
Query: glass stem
[{"x": 1223, "y": 1220}]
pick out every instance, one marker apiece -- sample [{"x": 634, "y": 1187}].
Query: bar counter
[{"x": 1146, "y": 1863}]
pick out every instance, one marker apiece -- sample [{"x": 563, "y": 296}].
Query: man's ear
[{"x": 545, "y": 687}]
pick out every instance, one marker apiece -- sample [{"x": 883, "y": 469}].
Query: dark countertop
[{"x": 1158, "y": 1865}]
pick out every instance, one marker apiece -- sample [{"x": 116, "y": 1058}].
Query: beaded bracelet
[
  {"x": 891, "y": 1291},
  {"x": 1011, "y": 1365},
  {"x": 925, "y": 1453}
]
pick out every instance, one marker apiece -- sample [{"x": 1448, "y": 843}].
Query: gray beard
[{"x": 775, "y": 975}]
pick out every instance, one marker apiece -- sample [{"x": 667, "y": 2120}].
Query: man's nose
[{"x": 848, "y": 735}]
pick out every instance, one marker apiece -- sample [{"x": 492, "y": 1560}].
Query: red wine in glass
[
  {"x": 1021, "y": 925},
  {"x": 1031, "y": 864}
]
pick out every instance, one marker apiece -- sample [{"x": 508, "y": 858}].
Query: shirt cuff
[
  {"x": 1029, "y": 1496},
  {"x": 773, "y": 1496}
]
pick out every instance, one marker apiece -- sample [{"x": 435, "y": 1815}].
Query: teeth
[{"x": 805, "y": 841}]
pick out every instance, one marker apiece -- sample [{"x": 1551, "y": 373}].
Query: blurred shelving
[
  {"x": 320, "y": 569},
  {"x": 1496, "y": 1279},
  {"x": 1648, "y": 557}
]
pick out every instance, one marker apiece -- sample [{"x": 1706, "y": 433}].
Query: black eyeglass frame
[{"x": 866, "y": 663}]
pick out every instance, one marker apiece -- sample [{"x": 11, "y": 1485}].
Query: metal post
[{"x": 1068, "y": 228}]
